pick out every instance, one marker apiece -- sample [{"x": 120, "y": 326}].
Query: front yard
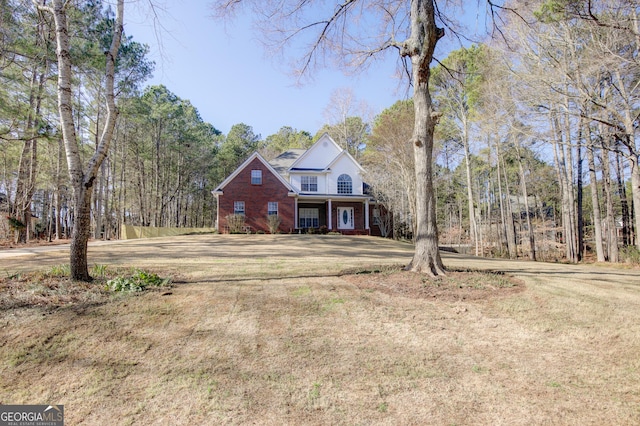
[{"x": 310, "y": 329}]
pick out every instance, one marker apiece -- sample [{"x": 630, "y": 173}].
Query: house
[{"x": 307, "y": 190}]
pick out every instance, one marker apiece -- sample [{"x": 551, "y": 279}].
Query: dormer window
[{"x": 345, "y": 185}]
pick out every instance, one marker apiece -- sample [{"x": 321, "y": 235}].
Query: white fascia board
[
  {"x": 304, "y": 155},
  {"x": 353, "y": 160},
  {"x": 237, "y": 171}
]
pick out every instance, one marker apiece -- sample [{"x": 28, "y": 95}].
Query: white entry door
[{"x": 345, "y": 217}]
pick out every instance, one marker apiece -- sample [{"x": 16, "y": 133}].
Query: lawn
[{"x": 261, "y": 329}]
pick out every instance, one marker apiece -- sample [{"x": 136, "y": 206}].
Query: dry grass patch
[{"x": 323, "y": 337}]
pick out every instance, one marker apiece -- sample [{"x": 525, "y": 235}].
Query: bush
[
  {"x": 235, "y": 222},
  {"x": 15, "y": 224},
  {"x": 138, "y": 282},
  {"x": 630, "y": 254},
  {"x": 273, "y": 222}
]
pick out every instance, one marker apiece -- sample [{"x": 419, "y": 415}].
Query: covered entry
[{"x": 345, "y": 218}]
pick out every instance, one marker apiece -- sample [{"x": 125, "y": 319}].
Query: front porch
[{"x": 346, "y": 216}]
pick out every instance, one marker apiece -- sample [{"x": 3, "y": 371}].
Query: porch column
[
  {"x": 295, "y": 213},
  {"x": 329, "y": 224},
  {"x": 366, "y": 214}
]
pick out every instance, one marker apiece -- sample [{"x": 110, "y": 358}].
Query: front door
[{"x": 345, "y": 217}]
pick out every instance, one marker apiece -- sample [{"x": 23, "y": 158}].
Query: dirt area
[
  {"x": 457, "y": 285},
  {"x": 326, "y": 330}
]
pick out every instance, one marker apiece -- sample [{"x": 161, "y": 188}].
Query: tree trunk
[
  {"x": 565, "y": 189},
  {"x": 635, "y": 194},
  {"x": 82, "y": 180},
  {"x": 510, "y": 226},
  {"x": 612, "y": 232},
  {"x": 419, "y": 47},
  {"x": 626, "y": 228},
  {"x": 58, "y": 189},
  {"x": 579, "y": 198},
  {"x": 568, "y": 170},
  {"x": 525, "y": 196},
  {"x": 473, "y": 222},
  {"x": 28, "y": 165},
  {"x": 595, "y": 201}
]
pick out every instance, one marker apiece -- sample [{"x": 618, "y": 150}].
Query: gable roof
[
  {"x": 345, "y": 153},
  {"x": 282, "y": 163},
  {"x": 325, "y": 138},
  {"x": 246, "y": 162}
]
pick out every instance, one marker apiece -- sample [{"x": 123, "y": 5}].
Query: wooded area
[{"x": 535, "y": 151}]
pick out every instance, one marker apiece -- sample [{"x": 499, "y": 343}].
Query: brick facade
[
  {"x": 282, "y": 183},
  {"x": 256, "y": 199}
]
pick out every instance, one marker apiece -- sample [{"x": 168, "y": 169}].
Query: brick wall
[{"x": 256, "y": 199}]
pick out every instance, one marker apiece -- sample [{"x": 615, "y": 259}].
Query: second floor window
[
  {"x": 344, "y": 184},
  {"x": 309, "y": 184},
  {"x": 256, "y": 177}
]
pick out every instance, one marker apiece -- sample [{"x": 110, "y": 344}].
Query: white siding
[
  {"x": 295, "y": 180},
  {"x": 319, "y": 155},
  {"x": 344, "y": 166},
  {"x": 322, "y": 155}
]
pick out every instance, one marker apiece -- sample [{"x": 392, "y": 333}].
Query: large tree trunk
[
  {"x": 81, "y": 180},
  {"x": 419, "y": 48}
]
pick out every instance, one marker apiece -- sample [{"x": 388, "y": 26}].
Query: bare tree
[
  {"x": 82, "y": 178},
  {"x": 348, "y": 119},
  {"x": 388, "y": 160},
  {"x": 352, "y": 32}
]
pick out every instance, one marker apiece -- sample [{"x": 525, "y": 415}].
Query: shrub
[
  {"x": 273, "y": 222},
  {"x": 630, "y": 254},
  {"x": 15, "y": 224},
  {"x": 235, "y": 222},
  {"x": 139, "y": 281}
]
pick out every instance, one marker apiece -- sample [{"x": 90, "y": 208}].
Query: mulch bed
[{"x": 455, "y": 286}]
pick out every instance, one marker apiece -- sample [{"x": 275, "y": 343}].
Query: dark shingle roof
[{"x": 283, "y": 162}]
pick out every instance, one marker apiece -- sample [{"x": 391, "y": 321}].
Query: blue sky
[{"x": 226, "y": 75}]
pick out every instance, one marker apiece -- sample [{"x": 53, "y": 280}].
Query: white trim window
[
  {"x": 345, "y": 184},
  {"x": 256, "y": 177},
  {"x": 272, "y": 208},
  {"x": 309, "y": 183},
  {"x": 238, "y": 207},
  {"x": 309, "y": 218}
]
